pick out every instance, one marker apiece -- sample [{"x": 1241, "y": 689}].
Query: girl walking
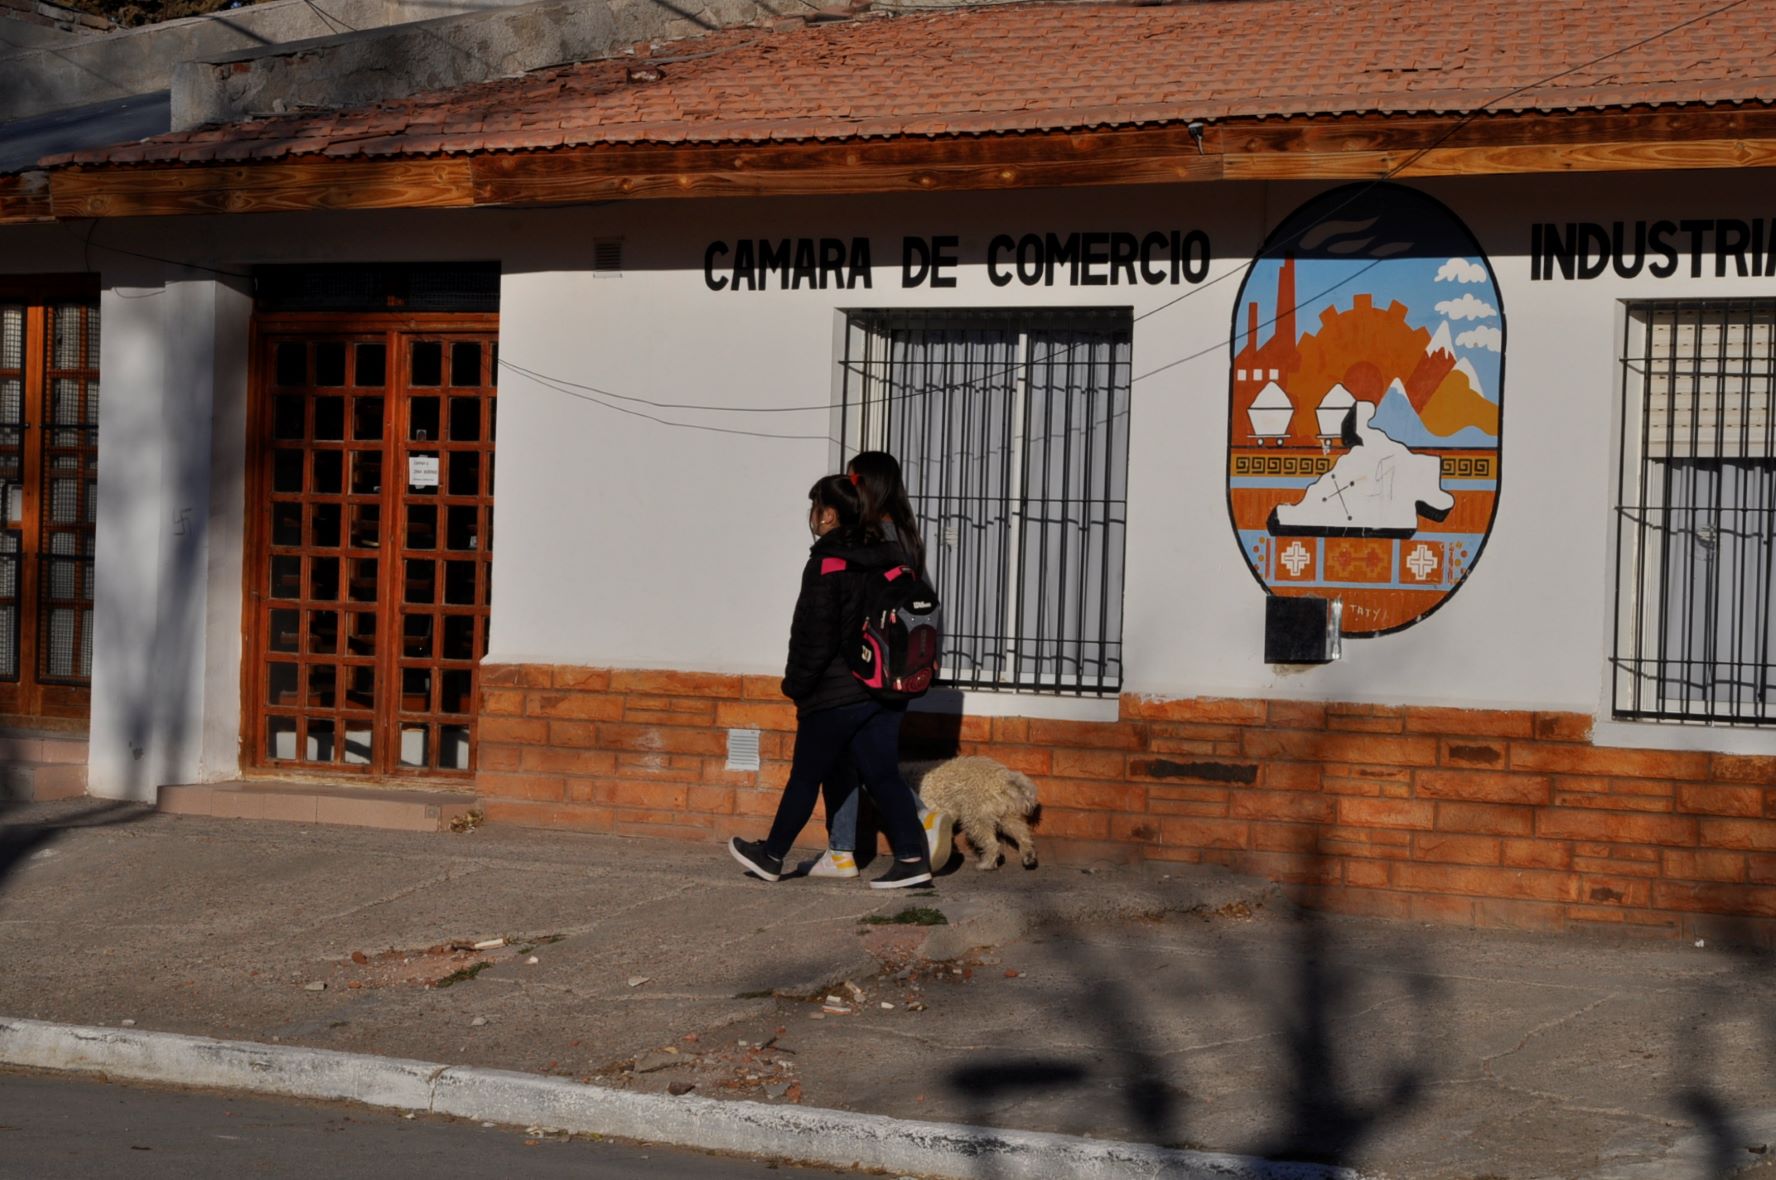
[
  {"x": 883, "y": 500},
  {"x": 836, "y": 717}
]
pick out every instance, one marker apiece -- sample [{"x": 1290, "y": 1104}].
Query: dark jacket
[{"x": 816, "y": 676}]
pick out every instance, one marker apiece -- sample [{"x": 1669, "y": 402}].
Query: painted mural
[{"x": 1367, "y": 396}]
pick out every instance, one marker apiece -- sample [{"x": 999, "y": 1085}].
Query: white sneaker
[
  {"x": 834, "y": 864},
  {"x": 940, "y": 836}
]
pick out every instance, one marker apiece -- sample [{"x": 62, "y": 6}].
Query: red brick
[
  {"x": 566, "y": 676},
  {"x": 560, "y": 760},
  {"x": 662, "y": 738},
  {"x": 1432, "y": 907},
  {"x": 1595, "y": 784},
  {"x": 710, "y": 800},
  {"x": 1480, "y": 786},
  {"x": 1363, "y": 722},
  {"x": 681, "y": 768},
  {"x": 1743, "y": 768},
  {"x": 500, "y": 757},
  {"x": 660, "y": 796},
  {"x": 1444, "y": 848},
  {"x": 1359, "y": 786},
  {"x": 576, "y": 706},
  {"x": 1088, "y": 763},
  {"x": 1370, "y": 772},
  {"x": 1282, "y": 805},
  {"x": 1015, "y": 730},
  {"x": 947, "y": 727},
  {"x": 1296, "y": 714},
  {"x": 1225, "y": 711},
  {"x": 1627, "y": 892},
  {"x": 1031, "y": 760},
  {"x": 1103, "y": 735},
  {"x": 1285, "y": 837},
  {"x": 506, "y": 702},
  {"x": 715, "y": 771},
  {"x": 543, "y": 815},
  {"x": 1754, "y": 834},
  {"x": 518, "y": 730},
  {"x": 502, "y": 675},
  {"x": 1139, "y": 828},
  {"x": 1290, "y": 776},
  {"x": 591, "y": 790},
  {"x": 1370, "y": 874},
  {"x": 1082, "y": 825},
  {"x": 1711, "y": 800},
  {"x": 1536, "y": 854},
  {"x": 1203, "y": 833},
  {"x": 1692, "y": 865},
  {"x": 696, "y": 707},
  {"x": 673, "y": 683},
  {"x": 1093, "y": 796},
  {"x": 1193, "y": 747},
  {"x": 1742, "y": 900},
  {"x": 1470, "y": 722},
  {"x": 1386, "y": 813},
  {"x": 1616, "y": 827},
  {"x": 1185, "y": 729},
  {"x": 1194, "y": 793},
  {"x": 1563, "y": 727},
  {"x": 754, "y": 715},
  {"x": 1486, "y": 818},
  {"x": 1212, "y": 809},
  {"x": 1478, "y": 753},
  {"x": 761, "y": 688},
  {"x": 1651, "y": 788},
  {"x": 1611, "y": 802},
  {"x": 577, "y": 735},
  {"x": 1487, "y": 882},
  {"x": 1610, "y": 864},
  {"x": 1342, "y": 747},
  {"x": 539, "y": 787},
  {"x": 1608, "y": 761}
]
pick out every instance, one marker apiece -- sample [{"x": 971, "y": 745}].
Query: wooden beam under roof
[{"x": 1327, "y": 148}]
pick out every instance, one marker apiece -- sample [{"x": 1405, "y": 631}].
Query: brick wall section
[{"x": 1493, "y": 818}]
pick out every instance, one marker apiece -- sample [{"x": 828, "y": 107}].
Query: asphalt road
[{"x": 54, "y": 1127}]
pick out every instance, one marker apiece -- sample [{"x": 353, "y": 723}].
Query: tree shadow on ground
[
  {"x": 1333, "y": 1089},
  {"x": 26, "y": 829}
]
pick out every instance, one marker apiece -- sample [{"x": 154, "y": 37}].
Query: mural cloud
[
  {"x": 1467, "y": 308},
  {"x": 1460, "y": 270},
  {"x": 1483, "y": 336}
]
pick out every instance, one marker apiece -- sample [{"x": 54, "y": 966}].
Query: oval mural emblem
[{"x": 1367, "y": 392}]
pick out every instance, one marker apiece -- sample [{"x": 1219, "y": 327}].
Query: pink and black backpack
[{"x": 895, "y": 650}]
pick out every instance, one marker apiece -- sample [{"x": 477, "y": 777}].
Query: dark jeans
[{"x": 870, "y": 734}]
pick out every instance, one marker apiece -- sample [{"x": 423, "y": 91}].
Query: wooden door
[
  {"x": 370, "y": 550},
  {"x": 49, "y": 425}
]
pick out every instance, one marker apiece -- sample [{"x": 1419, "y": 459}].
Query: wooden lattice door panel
[
  {"x": 49, "y": 421},
  {"x": 375, "y": 456}
]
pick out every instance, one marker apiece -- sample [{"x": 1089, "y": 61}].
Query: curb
[{"x": 834, "y": 1138}]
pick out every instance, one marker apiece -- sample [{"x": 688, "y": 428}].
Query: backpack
[{"x": 896, "y": 650}]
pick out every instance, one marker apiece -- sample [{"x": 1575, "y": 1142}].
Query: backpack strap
[{"x": 832, "y": 565}]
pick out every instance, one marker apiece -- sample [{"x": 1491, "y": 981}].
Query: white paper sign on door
[{"x": 422, "y": 471}]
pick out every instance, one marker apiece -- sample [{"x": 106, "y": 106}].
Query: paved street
[
  {"x": 53, "y": 1128},
  {"x": 1128, "y": 1006}
]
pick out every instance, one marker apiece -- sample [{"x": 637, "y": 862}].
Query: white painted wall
[{"x": 622, "y": 541}]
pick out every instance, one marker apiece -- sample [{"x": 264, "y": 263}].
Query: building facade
[{"x": 512, "y": 494}]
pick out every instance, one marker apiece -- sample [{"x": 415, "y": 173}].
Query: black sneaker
[
  {"x": 902, "y": 873},
  {"x": 760, "y": 863}
]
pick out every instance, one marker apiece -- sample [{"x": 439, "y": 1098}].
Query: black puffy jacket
[{"x": 816, "y": 675}]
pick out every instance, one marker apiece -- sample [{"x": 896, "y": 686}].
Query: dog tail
[{"x": 1022, "y": 788}]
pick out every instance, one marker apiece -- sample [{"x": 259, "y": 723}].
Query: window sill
[{"x": 976, "y": 702}]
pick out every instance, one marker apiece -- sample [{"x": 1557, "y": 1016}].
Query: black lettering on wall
[{"x": 710, "y": 279}]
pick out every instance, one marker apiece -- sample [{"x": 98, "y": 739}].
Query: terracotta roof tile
[{"x": 1031, "y": 67}]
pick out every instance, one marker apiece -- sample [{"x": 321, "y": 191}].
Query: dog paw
[
  {"x": 1030, "y": 862},
  {"x": 987, "y": 866}
]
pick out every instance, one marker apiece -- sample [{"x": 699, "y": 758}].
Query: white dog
[{"x": 985, "y": 798}]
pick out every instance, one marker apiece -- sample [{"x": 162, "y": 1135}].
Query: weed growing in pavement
[
  {"x": 917, "y": 915},
  {"x": 463, "y": 974}
]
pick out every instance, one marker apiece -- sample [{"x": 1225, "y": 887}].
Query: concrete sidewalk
[{"x": 1191, "y": 1010}]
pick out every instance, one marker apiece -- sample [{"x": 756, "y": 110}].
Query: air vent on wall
[{"x": 607, "y": 255}]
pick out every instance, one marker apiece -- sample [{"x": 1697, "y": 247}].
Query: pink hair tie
[{"x": 852, "y": 476}]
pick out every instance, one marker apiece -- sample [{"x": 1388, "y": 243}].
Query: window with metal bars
[
  {"x": 1696, "y": 513},
  {"x": 1012, "y": 430}
]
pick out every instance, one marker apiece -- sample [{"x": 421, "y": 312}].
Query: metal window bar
[
  {"x": 1011, "y": 428},
  {"x": 1696, "y": 513}
]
